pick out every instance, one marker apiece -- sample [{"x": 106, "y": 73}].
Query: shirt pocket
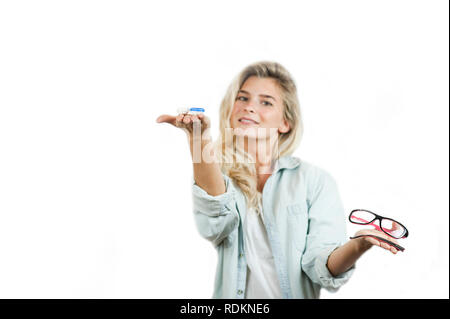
[{"x": 298, "y": 224}]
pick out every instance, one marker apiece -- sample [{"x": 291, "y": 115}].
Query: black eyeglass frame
[{"x": 380, "y": 218}]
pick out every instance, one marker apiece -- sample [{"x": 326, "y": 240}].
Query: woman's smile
[{"x": 247, "y": 121}]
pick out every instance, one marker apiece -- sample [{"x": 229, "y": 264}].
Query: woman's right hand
[{"x": 187, "y": 122}]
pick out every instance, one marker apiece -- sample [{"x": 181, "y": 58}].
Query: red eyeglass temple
[{"x": 365, "y": 221}]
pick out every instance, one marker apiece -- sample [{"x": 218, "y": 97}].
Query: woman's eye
[{"x": 243, "y": 98}]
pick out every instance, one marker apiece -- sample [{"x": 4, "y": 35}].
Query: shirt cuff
[
  {"x": 213, "y": 205},
  {"x": 327, "y": 280}
]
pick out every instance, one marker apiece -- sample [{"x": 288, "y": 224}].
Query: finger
[
  {"x": 196, "y": 125},
  {"x": 205, "y": 120},
  {"x": 187, "y": 119},
  {"x": 384, "y": 236},
  {"x": 391, "y": 248},
  {"x": 394, "y": 240},
  {"x": 389, "y": 238},
  {"x": 179, "y": 120},
  {"x": 383, "y": 244},
  {"x": 372, "y": 241},
  {"x": 195, "y": 119},
  {"x": 165, "y": 118},
  {"x": 388, "y": 245}
]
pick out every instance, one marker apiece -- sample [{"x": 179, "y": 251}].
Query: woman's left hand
[{"x": 369, "y": 241}]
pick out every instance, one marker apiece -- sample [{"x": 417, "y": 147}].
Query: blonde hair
[{"x": 232, "y": 161}]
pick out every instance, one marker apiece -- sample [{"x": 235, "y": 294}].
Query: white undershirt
[{"x": 262, "y": 278}]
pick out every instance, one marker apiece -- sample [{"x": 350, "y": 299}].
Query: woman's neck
[{"x": 262, "y": 151}]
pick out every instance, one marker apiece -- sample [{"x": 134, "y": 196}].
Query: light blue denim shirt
[{"x": 305, "y": 222}]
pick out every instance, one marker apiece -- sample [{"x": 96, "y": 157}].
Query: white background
[{"x": 95, "y": 197}]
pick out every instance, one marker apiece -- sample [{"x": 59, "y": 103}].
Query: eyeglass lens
[{"x": 387, "y": 225}]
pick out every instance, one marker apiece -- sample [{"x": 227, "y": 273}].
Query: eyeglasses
[{"x": 387, "y": 225}]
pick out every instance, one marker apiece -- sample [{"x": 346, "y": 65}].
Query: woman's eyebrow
[{"x": 263, "y": 95}]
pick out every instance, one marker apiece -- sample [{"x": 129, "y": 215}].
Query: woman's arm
[
  {"x": 207, "y": 173},
  {"x": 214, "y": 204},
  {"x": 344, "y": 257}
]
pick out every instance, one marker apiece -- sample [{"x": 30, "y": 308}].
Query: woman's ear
[{"x": 284, "y": 127}]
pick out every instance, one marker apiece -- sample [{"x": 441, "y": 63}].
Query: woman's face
[{"x": 258, "y": 109}]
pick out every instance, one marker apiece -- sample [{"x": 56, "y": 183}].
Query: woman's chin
[
  {"x": 247, "y": 131},
  {"x": 255, "y": 131}
]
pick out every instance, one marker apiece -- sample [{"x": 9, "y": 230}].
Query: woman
[{"x": 276, "y": 221}]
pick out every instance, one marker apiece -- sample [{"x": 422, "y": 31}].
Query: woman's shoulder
[
  {"x": 315, "y": 179},
  {"x": 312, "y": 173}
]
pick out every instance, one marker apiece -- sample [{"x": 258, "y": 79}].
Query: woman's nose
[{"x": 249, "y": 108}]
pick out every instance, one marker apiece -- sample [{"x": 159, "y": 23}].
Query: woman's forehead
[{"x": 256, "y": 86}]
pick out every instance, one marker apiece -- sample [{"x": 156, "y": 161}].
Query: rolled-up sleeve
[
  {"x": 326, "y": 232},
  {"x": 216, "y": 217}
]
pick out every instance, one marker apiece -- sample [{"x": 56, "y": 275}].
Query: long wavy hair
[{"x": 234, "y": 161}]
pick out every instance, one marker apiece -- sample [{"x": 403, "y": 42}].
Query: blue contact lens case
[{"x": 192, "y": 110}]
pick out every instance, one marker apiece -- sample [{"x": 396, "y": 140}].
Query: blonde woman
[{"x": 276, "y": 221}]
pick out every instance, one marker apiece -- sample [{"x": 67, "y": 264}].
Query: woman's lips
[{"x": 247, "y": 121}]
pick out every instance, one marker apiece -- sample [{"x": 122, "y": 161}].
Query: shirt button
[
  {"x": 241, "y": 255},
  {"x": 239, "y": 292}
]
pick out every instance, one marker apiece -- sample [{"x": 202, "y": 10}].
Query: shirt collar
[{"x": 286, "y": 162}]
